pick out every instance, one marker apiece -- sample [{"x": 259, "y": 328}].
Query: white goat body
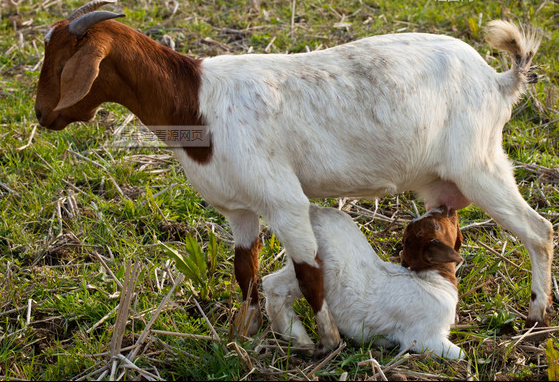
[
  {"x": 377, "y": 116},
  {"x": 367, "y": 296}
]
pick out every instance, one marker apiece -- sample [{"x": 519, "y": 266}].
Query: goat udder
[{"x": 448, "y": 194}]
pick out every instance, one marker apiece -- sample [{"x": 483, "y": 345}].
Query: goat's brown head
[
  {"x": 71, "y": 67},
  {"x": 432, "y": 241}
]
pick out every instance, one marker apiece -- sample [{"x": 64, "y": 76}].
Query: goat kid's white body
[{"x": 367, "y": 296}]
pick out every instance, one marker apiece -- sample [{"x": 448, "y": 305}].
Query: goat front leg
[
  {"x": 246, "y": 228},
  {"x": 294, "y": 229},
  {"x": 495, "y": 191},
  {"x": 282, "y": 290}
]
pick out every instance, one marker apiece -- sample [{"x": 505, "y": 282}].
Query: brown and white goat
[
  {"x": 380, "y": 115},
  {"x": 369, "y": 297}
]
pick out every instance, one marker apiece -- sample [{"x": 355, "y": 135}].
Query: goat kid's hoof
[
  {"x": 254, "y": 325},
  {"x": 539, "y": 323}
]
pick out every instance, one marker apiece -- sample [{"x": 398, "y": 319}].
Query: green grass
[{"x": 69, "y": 198}]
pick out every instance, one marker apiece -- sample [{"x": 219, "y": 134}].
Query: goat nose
[{"x": 38, "y": 114}]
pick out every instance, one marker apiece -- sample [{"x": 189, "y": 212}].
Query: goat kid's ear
[
  {"x": 78, "y": 75},
  {"x": 404, "y": 263},
  {"x": 438, "y": 252},
  {"x": 459, "y": 239}
]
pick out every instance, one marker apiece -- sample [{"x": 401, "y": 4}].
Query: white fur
[{"x": 366, "y": 296}]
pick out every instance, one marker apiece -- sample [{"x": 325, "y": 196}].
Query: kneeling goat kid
[{"x": 368, "y": 296}]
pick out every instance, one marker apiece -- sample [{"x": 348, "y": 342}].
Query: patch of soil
[{"x": 173, "y": 230}]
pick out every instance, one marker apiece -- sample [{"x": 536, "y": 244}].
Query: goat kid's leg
[
  {"x": 496, "y": 192},
  {"x": 246, "y": 228},
  {"x": 442, "y": 347},
  {"x": 282, "y": 290},
  {"x": 295, "y": 231}
]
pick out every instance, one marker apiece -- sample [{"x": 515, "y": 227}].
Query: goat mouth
[
  {"x": 61, "y": 121},
  {"x": 56, "y": 124},
  {"x": 55, "y": 127}
]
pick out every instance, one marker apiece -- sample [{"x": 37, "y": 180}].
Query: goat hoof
[
  {"x": 323, "y": 350},
  {"x": 306, "y": 351},
  {"x": 248, "y": 322},
  {"x": 255, "y": 324},
  {"x": 539, "y": 324}
]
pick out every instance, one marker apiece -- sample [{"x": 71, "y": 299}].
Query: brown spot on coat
[
  {"x": 246, "y": 269},
  {"x": 311, "y": 283},
  {"x": 201, "y": 155}
]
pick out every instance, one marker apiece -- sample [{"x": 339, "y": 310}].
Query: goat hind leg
[{"x": 496, "y": 192}]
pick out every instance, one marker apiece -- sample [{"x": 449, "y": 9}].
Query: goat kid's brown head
[
  {"x": 71, "y": 67},
  {"x": 431, "y": 240}
]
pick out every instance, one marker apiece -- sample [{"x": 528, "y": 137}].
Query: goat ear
[
  {"x": 403, "y": 261},
  {"x": 438, "y": 252},
  {"x": 459, "y": 239},
  {"x": 78, "y": 75}
]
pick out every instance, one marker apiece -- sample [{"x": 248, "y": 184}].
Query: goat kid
[
  {"x": 369, "y": 297},
  {"x": 380, "y": 115}
]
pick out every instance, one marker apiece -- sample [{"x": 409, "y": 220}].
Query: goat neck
[{"x": 140, "y": 73}]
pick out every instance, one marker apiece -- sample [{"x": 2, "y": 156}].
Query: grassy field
[{"x": 76, "y": 213}]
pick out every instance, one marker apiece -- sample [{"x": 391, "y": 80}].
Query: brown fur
[
  {"x": 114, "y": 63},
  {"x": 311, "y": 283},
  {"x": 246, "y": 269},
  {"x": 433, "y": 242}
]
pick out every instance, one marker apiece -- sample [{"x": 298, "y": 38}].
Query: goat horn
[
  {"x": 79, "y": 26},
  {"x": 89, "y": 7}
]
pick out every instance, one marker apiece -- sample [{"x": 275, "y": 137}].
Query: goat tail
[{"x": 522, "y": 45}]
